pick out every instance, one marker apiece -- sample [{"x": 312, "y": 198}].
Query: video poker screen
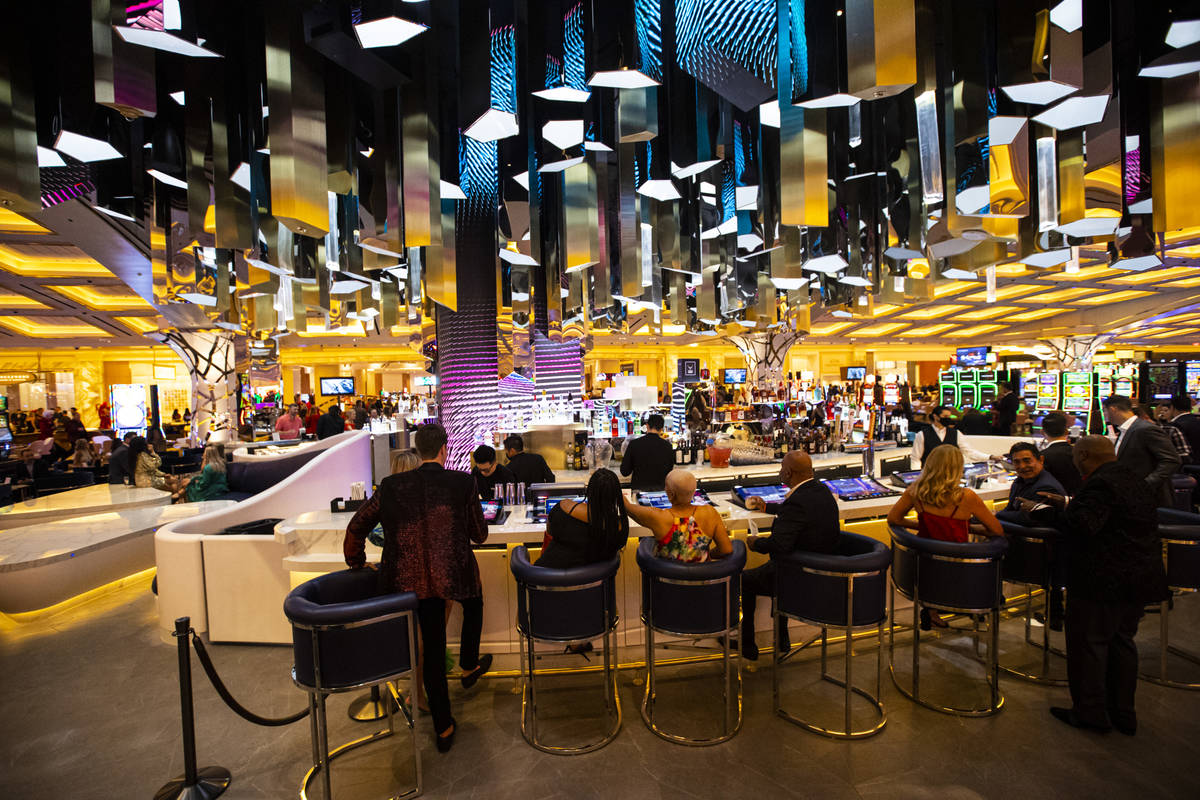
[
  {"x": 976, "y": 469},
  {"x": 492, "y": 509},
  {"x": 769, "y": 494},
  {"x": 659, "y": 499},
  {"x": 907, "y": 477}
]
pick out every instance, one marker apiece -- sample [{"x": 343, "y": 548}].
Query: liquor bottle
[{"x": 614, "y": 426}]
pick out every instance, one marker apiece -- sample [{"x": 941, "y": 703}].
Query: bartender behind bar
[{"x": 649, "y": 458}]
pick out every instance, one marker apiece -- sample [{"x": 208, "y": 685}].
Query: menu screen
[{"x": 769, "y": 494}]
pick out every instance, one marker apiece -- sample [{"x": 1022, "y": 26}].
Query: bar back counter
[{"x": 234, "y": 585}]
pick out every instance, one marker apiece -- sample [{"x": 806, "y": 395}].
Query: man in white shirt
[{"x": 942, "y": 427}]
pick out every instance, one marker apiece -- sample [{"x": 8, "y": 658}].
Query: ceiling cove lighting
[
  {"x": 85, "y": 148},
  {"x": 387, "y": 32}
]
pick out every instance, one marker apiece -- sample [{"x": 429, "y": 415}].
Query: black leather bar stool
[
  {"x": 346, "y": 637},
  {"x": 1182, "y": 489},
  {"x": 947, "y": 576},
  {"x": 843, "y": 590},
  {"x": 693, "y": 600},
  {"x": 1032, "y": 560},
  {"x": 566, "y": 606},
  {"x": 1180, "y": 533}
]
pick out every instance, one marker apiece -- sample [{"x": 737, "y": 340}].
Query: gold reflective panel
[
  {"x": 1071, "y": 194},
  {"x": 1175, "y": 153},
  {"x": 581, "y": 219},
  {"x": 803, "y": 168},
  {"x": 1008, "y": 167},
  {"x": 20, "y": 180},
  {"x": 881, "y": 47},
  {"x": 122, "y": 73},
  {"x": 637, "y": 114},
  {"x": 296, "y": 96}
]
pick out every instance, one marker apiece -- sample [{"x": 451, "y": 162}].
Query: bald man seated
[{"x": 806, "y": 520}]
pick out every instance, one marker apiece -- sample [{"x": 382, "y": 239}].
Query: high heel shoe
[
  {"x": 929, "y": 620},
  {"x": 445, "y": 742}
]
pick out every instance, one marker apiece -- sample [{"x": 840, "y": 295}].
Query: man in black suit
[
  {"x": 649, "y": 458},
  {"x": 331, "y": 423},
  {"x": 807, "y": 520},
  {"x": 487, "y": 473},
  {"x": 1006, "y": 407},
  {"x": 527, "y": 467},
  {"x": 1057, "y": 454},
  {"x": 119, "y": 467},
  {"x": 1114, "y": 568},
  {"x": 1032, "y": 479},
  {"x": 1143, "y": 447}
]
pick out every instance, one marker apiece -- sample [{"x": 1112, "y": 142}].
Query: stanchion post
[{"x": 194, "y": 784}]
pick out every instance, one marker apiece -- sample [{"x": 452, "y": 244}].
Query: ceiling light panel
[
  {"x": 828, "y": 328},
  {"x": 51, "y": 327},
  {"x": 930, "y": 330},
  {"x": 986, "y": 313},
  {"x": 102, "y": 298},
  {"x": 882, "y": 329},
  {"x": 1058, "y": 295},
  {"x": 1004, "y": 292},
  {"x": 1114, "y": 297},
  {"x": 953, "y": 287},
  {"x": 933, "y": 312},
  {"x": 1151, "y": 276},
  {"x": 978, "y": 330},
  {"x": 1035, "y": 314}
]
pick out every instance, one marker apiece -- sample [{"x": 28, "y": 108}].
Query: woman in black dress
[{"x": 578, "y": 534}]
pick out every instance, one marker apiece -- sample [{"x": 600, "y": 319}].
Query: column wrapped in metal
[{"x": 881, "y": 48}]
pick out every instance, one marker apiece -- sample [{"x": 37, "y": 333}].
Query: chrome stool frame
[
  {"x": 992, "y": 665},
  {"x": 846, "y": 683},
  {"x": 1046, "y": 584},
  {"x": 732, "y": 666},
  {"x": 317, "y": 695},
  {"x": 1165, "y": 647},
  {"x": 612, "y": 699}
]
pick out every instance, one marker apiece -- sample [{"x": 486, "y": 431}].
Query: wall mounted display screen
[
  {"x": 425, "y": 380},
  {"x": 331, "y": 387},
  {"x": 689, "y": 370},
  {"x": 856, "y": 373},
  {"x": 972, "y": 356},
  {"x": 129, "y": 407},
  {"x": 735, "y": 376}
]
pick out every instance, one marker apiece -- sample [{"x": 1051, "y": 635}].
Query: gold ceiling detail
[
  {"x": 51, "y": 327},
  {"x": 102, "y": 298},
  {"x": 49, "y": 261},
  {"x": 12, "y": 300}
]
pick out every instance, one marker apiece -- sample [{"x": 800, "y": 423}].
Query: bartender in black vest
[{"x": 942, "y": 431}]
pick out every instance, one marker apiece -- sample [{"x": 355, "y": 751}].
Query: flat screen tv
[
  {"x": 335, "y": 387},
  {"x": 856, "y": 373},
  {"x": 972, "y": 356},
  {"x": 735, "y": 376}
]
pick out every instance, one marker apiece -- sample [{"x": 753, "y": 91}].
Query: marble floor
[{"x": 89, "y": 709}]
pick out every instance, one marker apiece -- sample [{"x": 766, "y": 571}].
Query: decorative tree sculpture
[
  {"x": 211, "y": 361},
  {"x": 1075, "y": 353},
  {"x": 765, "y": 352}
]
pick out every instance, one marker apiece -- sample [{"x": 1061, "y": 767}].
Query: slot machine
[
  {"x": 1047, "y": 392},
  {"x": 1125, "y": 379},
  {"x": 948, "y": 388},
  {"x": 1077, "y": 397},
  {"x": 1191, "y": 378},
  {"x": 968, "y": 388},
  {"x": 1160, "y": 381},
  {"x": 6, "y": 437},
  {"x": 891, "y": 392},
  {"x": 1029, "y": 390},
  {"x": 988, "y": 384},
  {"x": 1104, "y": 382}
]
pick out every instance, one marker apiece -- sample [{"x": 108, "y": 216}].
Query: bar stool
[
  {"x": 1031, "y": 560},
  {"x": 1180, "y": 534},
  {"x": 346, "y": 637},
  {"x": 1182, "y": 488},
  {"x": 697, "y": 600},
  {"x": 947, "y": 576},
  {"x": 843, "y": 590},
  {"x": 566, "y": 606}
]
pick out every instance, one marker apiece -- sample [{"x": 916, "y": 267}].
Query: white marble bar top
[
  {"x": 314, "y": 539},
  {"x": 40, "y": 544},
  {"x": 79, "y": 502}
]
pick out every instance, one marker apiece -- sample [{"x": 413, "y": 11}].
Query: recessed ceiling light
[
  {"x": 1068, "y": 15},
  {"x": 370, "y": 151},
  {"x": 520, "y": 259},
  {"x": 387, "y": 32},
  {"x": 768, "y": 114},
  {"x": 85, "y": 148},
  {"x": 161, "y": 40},
  {"x": 621, "y": 79},
  {"x": 1038, "y": 93},
  {"x": 1183, "y": 32},
  {"x": 659, "y": 189},
  {"x": 831, "y": 101},
  {"x": 559, "y": 166},
  {"x": 563, "y": 133},
  {"x": 451, "y": 191},
  {"x": 1074, "y": 112},
  {"x": 493, "y": 125},
  {"x": 169, "y": 180},
  {"x": 49, "y": 158},
  {"x": 828, "y": 265},
  {"x": 564, "y": 94}
]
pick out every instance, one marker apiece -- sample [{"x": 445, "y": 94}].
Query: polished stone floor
[{"x": 89, "y": 709}]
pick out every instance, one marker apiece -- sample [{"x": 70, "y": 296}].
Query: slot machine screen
[
  {"x": 1162, "y": 381},
  {"x": 856, "y": 488},
  {"x": 492, "y": 509},
  {"x": 660, "y": 500},
  {"x": 1191, "y": 372},
  {"x": 1077, "y": 391}
]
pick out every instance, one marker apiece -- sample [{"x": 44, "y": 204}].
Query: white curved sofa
[{"x": 233, "y": 587}]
